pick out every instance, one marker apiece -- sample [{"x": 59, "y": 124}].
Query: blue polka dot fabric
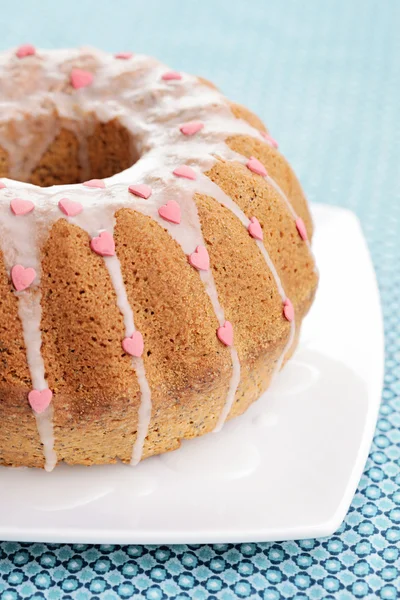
[{"x": 325, "y": 78}]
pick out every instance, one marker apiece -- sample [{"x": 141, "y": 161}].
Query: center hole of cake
[{"x": 105, "y": 149}]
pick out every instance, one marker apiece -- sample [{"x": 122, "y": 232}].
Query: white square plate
[{"x": 286, "y": 469}]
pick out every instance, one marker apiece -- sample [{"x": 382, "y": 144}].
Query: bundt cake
[{"x": 156, "y": 263}]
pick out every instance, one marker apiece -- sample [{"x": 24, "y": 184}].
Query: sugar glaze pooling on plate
[{"x": 179, "y": 126}]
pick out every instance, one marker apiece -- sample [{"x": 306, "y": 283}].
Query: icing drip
[
  {"x": 291, "y": 210},
  {"x": 94, "y": 221},
  {"x": 19, "y": 245},
  {"x": 211, "y": 189},
  {"x": 153, "y": 104},
  {"x": 30, "y": 314},
  {"x": 29, "y": 311},
  {"x": 231, "y": 155},
  {"x": 144, "y": 414},
  {"x": 189, "y": 236},
  {"x": 114, "y": 269},
  {"x": 233, "y": 386},
  {"x": 44, "y": 423}
]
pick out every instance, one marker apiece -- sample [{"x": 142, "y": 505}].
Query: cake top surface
[{"x": 174, "y": 118}]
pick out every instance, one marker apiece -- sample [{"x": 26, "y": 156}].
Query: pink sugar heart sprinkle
[
  {"x": 301, "y": 228},
  {"x": 40, "y": 400},
  {"x": 269, "y": 139},
  {"x": 255, "y": 229},
  {"x": 123, "y": 55},
  {"x": 21, "y": 207},
  {"x": 70, "y": 207},
  {"x": 256, "y": 166},
  {"x": 81, "y": 78},
  {"x": 199, "y": 259},
  {"x": 103, "y": 244},
  {"x": 95, "y": 183},
  {"x": 185, "y": 171},
  {"x": 225, "y": 333},
  {"x": 142, "y": 190},
  {"x": 171, "y": 75},
  {"x": 134, "y": 345},
  {"x": 191, "y": 127},
  {"x": 170, "y": 212},
  {"x": 22, "y": 277},
  {"x": 25, "y": 50},
  {"x": 2, "y": 185},
  {"x": 288, "y": 310}
]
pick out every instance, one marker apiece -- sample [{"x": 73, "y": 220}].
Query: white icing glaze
[
  {"x": 189, "y": 235},
  {"x": 44, "y": 423},
  {"x": 152, "y": 110},
  {"x": 93, "y": 222},
  {"x": 235, "y": 156},
  {"x": 291, "y": 210},
  {"x": 19, "y": 245},
  {"x": 114, "y": 269},
  {"x": 211, "y": 189},
  {"x": 233, "y": 386}
]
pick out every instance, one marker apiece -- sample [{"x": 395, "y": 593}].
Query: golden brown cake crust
[
  {"x": 60, "y": 163},
  {"x": 241, "y": 112},
  {"x": 96, "y": 393},
  {"x": 19, "y": 439},
  {"x": 278, "y": 168}
]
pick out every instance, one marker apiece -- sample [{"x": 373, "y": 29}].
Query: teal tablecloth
[{"x": 325, "y": 76}]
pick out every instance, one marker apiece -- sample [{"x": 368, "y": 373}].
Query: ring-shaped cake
[{"x": 156, "y": 261}]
